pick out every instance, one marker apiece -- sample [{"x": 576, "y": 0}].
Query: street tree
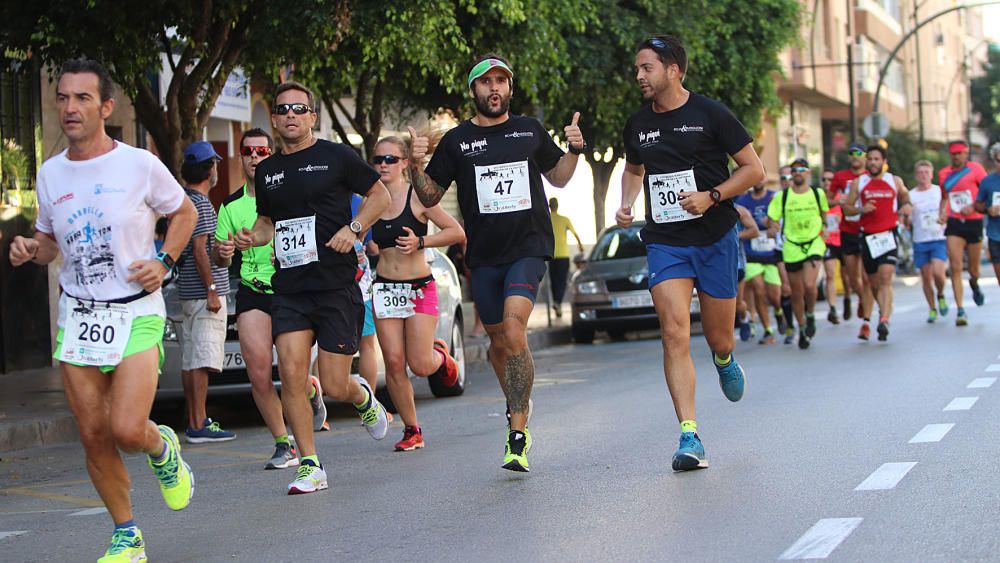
[
  {"x": 986, "y": 94},
  {"x": 207, "y": 40}
]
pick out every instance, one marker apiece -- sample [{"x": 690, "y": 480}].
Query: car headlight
[
  {"x": 588, "y": 287},
  {"x": 169, "y": 331}
]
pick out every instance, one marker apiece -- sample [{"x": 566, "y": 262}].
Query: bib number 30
[
  {"x": 98, "y": 335},
  {"x": 664, "y": 196}
]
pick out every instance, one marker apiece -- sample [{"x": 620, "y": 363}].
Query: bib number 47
[{"x": 499, "y": 190}]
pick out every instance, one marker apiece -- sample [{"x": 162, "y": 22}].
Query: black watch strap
[{"x": 578, "y": 151}]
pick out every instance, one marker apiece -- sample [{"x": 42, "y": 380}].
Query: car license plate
[
  {"x": 632, "y": 301},
  {"x": 233, "y": 360}
]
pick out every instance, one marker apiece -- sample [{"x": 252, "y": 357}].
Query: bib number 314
[
  {"x": 96, "y": 336},
  {"x": 295, "y": 241},
  {"x": 664, "y": 196}
]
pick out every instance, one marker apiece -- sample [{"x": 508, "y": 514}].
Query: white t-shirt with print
[
  {"x": 926, "y": 210},
  {"x": 102, "y": 213}
]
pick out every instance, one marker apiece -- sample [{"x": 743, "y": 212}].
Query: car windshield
[{"x": 618, "y": 243}]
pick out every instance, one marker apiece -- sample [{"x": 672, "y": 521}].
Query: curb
[{"x": 25, "y": 434}]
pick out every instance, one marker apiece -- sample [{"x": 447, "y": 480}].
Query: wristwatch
[
  {"x": 420, "y": 244},
  {"x": 356, "y": 227},
  {"x": 166, "y": 260},
  {"x": 211, "y": 287},
  {"x": 578, "y": 151},
  {"x": 716, "y": 196}
]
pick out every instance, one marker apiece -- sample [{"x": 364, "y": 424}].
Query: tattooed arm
[{"x": 429, "y": 192}]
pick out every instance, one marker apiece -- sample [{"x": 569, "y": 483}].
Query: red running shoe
[
  {"x": 866, "y": 332},
  {"x": 449, "y": 369},
  {"x": 413, "y": 439}
]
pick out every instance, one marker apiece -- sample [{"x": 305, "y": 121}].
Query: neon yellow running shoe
[
  {"x": 176, "y": 479},
  {"x": 516, "y": 454},
  {"x": 126, "y": 547}
]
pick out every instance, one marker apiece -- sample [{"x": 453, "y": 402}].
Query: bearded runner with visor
[{"x": 964, "y": 231}]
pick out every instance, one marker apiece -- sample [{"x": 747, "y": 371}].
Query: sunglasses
[
  {"x": 786, "y": 176},
  {"x": 856, "y": 153},
  {"x": 386, "y": 158},
  {"x": 800, "y": 169},
  {"x": 261, "y": 151},
  {"x": 297, "y": 109}
]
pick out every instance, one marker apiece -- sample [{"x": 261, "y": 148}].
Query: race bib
[
  {"x": 96, "y": 336},
  {"x": 996, "y": 199},
  {"x": 763, "y": 243},
  {"x": 393, "y": 300},
  {"x": 881, "y": 243},
  {"x": 295, "y": 241},
  {"x": 832, "y": 224},
  {"x": 503, "y": 188},
  {"x": 929, "y": 221},
  {"x": 959, "y": 200},
  {"x": 664, "y": 196}
]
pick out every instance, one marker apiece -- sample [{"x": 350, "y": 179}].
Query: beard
[
  {"x": 483, "y": 105},
  {"x": 875, "y": 170},
  {"x": 798, "y": 181}
]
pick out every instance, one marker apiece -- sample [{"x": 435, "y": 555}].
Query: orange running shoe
[
  {"x": 449, "y": 375},
  {"x": 413, "y": 439},
  {"x": 866, "y": 332}
]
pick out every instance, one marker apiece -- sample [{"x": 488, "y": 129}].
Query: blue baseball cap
[
  {"x": 200, "y": 151},
  {"x": 856, "y": 146}
]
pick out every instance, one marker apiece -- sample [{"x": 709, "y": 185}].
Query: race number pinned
[
  {"x": 393, "y": 300},
  {"x": 503, "y": 188},
  {"x": 959, "y": 200},
  {"x": 880, "y": 244},
  {"x": 96, "y": 335},
  {"x": 295, "y": 241},
  {"x": 929, "y": 221},
  {"x": 996, "y": 199},
  {"x": 763, "y": 243},
  {"x": 664, "y": 196},
  {"x": 832, "y": 224}
]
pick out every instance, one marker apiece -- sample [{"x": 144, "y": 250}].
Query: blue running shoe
[
  {"x": 977, "y": 295},
  {"x": 210, "y": 432},
  {"x": 731, "y": 379},
  {"x": 745, "y": 333},
  {"x": 690, "y": 454},
  {"x": 960, "y": 318}
]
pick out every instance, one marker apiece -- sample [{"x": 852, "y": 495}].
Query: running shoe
[
  {"x": 284, "y": 456},
  {"x": 810, "y": 325},
  {"x": 780, "y": 318},
  {"x": 531, "y": 408},
  {"x": 126, "y": 547},
  {"x": 211, "y": 431},
  {"x": 768, "y": 338},
  {"x": 832, "y": 316},
  {"x": 745, "y": 333},
  {"x": 176, "y": 479},
  {"x": 732, "y": 379},
  {"x": 308, "y": 479},
  {"x": 690, "y": 454},
  {"x": 789, "y": 335},
  {"x": 413, "y": 439},
  {"x": 942, "y": 305},
  {"x": 373, "y": 414},
  {"x": 977, "y": 295},
  {"x": 883, "y": 330},
  {"x": 515, "y": 456},
  {"x": 449, "y": 375},
  {"x": 960, "y": 318},
  {"x": 932, "y": 316},
  {"x": 847, "y": 308},
  {"x": 318, "y": 405},
  {"x": 866, "y": 332},
  {"x": 803, "y": 341}
]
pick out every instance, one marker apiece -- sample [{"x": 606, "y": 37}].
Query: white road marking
[
  {"x": 886, "y": 477},
  {"x": 932, "y": 433},
  {"x": 993, "y": 367},
  {"x": 819, "y": 541},
  {"x": 982, "y": 383},
  {"x": 961, "y": 403},
  {"x": 5, "y": 535},
  {"x": 90, "y": 511}
]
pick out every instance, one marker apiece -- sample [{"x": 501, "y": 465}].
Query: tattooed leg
[{"x": 519, "y": 368}]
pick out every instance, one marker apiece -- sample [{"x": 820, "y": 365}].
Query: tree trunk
[{"x": 601, "y": 173}]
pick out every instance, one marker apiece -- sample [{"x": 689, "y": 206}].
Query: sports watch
[
  {"x": 716, "y": 196},
  {"x": 578, "y": 151},
  {"x": 166, "y": 260},
  {"x": 356, "y": 227}
]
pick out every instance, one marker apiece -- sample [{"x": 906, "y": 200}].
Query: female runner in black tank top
[{"x": 400, "y": 236}]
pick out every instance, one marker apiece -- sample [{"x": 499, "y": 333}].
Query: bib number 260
[{"x": 96, "y": 333}]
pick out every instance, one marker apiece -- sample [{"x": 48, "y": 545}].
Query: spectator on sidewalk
[
  {"x": 202, "y": 287},
  {"x": 559, "y": 266}
]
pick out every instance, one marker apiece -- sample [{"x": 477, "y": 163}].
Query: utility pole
[
  {"x": 850, "y": 70},
  {"x": 920, "y": 81}
]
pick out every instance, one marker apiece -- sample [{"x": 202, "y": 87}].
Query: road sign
[{"x": 875, "y": 125}]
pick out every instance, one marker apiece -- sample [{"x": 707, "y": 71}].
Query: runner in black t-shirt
[
  {"x": 497, "y": 160},
  {"x": 677, "y": 150},
  {"x": 304, "y": 205}
]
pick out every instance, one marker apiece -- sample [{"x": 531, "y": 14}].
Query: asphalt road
[{"x": 816, "y": 461}]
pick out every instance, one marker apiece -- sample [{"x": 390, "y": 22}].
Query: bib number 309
[
  {"x": 96, "y": 336},
  {"x": 393, "y": 300}
]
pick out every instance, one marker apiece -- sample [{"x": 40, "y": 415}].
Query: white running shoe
[
  {"x": 375, "y": 418},
  {"x": 308, "y": 479},
  {"x": 318, "y": 406}
]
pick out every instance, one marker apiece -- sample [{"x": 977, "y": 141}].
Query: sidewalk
[{"x": 33, "y": 409}]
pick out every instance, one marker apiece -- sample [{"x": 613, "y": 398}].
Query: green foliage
[
  {"x": 905, "y": 151},
  {"x": 986, "y": 94},
  {"x": 15, "y": 168}
]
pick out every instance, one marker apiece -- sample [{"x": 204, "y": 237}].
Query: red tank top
[
  {"x": 839, "y": 187},
  {"x": 881, "y": 191}
]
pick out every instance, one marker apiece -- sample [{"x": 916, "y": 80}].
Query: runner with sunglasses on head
[
  {"x": 304, "y": 206},
  {"x": 496, "y": 160},
  {"x": 834, "y": 217},
  {"x": 404, "y": 293},
  {"x": 850, "y": 233},
  {"x": 677, "y": 151},
  {"x": 964, "y": 231}
]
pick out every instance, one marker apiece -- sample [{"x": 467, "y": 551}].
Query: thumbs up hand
[
  {"x": 418, "y": 146},
  {"x": 227, "y": 247},
  {"x": 244, "y": 239},
  {"x": 573, "y": 135}
]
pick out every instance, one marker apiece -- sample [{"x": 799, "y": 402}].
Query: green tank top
[{"x": 237, "y": 211}]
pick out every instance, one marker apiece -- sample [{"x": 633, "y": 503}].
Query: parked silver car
[
  {"x": 233, "y": 378},
  {"x": 610, "y": 291}
]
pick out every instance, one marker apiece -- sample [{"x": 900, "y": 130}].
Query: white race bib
[
  {"x": 959, "y": 200},
  {"x": 763, "y": 243},
  {"x": 881, "y": 243},
  {"x": 96, "y": 336},
  {"x": 929, "y": 222},
  {"x": 393, "y": 300},
  {"x": 664, "y": 196},
  {"x": 996, "y": 199},
  {"x": 295, "y": 241},
  {"x": 503, "y": 188},
  {"x": 832, "y": 224}
]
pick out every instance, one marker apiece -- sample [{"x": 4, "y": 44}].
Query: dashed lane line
[
  {"x": 932, "y": 433},
  {"x": 89, "y": 512},
  {"x": 5, "y": 535},
  {"x": 981, "y": 383},
  {"x": 819, "y": 541},
  {"x": 961, "y": 403},
  {"x": 69, "y": 499},
  {"x": 992, "y": 368},
  {"x": 886, "y": 477}
]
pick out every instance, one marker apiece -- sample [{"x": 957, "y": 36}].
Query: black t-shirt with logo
[
  {"x": 498, "y": 171},
  {"x": 316, "y": 181},
  {"x": 697, "y": 136}
]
